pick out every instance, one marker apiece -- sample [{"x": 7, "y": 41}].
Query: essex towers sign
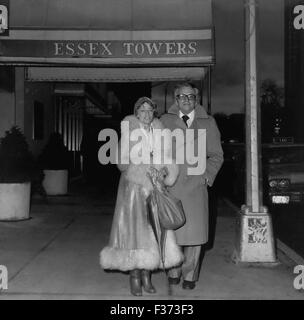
[
  {"x": 108, "y": 47},
  {"x": 125, "y": 48}
]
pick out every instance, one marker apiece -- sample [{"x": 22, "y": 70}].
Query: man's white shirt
[{"x": 190, "y": 115}]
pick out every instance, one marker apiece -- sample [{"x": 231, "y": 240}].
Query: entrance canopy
[
  {"x": 110, "y": 14},
  {"x": 114, "y": 74},
  {"x": 108, "y": 33},
  {"x": 107, "y": 40}
]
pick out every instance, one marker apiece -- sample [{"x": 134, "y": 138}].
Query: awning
[
  {"x": 110, "y": 14},
  {"x": 108, "y": 32},
  {"x": 114, "y": 74}
]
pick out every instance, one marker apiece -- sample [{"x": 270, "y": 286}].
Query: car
[
  {"x": 282, "y": 173},
  {"x": 283, "y": 168}
]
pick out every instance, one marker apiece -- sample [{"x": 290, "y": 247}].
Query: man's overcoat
[{"x": 192, "y": 189}]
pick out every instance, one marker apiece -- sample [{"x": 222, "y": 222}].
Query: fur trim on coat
[
  {"x": 130, "y": 220},
  {"x": 149, "y": 259},
  {"x": 136, "y": 171}
]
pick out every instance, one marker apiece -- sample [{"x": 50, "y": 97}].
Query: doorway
[
  {"x": 125, "y": 95},
  {"x": 128, "y": 93}
]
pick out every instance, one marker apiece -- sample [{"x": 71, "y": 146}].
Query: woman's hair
[{"x": 143, "y": 100}]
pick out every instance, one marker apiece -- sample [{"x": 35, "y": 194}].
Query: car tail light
[
  {"x": 273, "y": 183},
  {"x": 279, "y": 183},
  {"x": 284, "y": 183}
]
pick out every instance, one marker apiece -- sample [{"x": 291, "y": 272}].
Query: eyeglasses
[{"x": 184, "y": 97}]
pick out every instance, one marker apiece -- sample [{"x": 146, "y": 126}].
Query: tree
[
  {"x": 271, "y": 94},
  {"x": 273, "y": 113}
]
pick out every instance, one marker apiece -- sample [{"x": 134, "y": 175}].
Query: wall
[
  {"x": 43, "y": 93},
  {"x": 294, "y": 73},
  {"x": 6, "y": 111},
  {"x": 16, "y": 105},
  {"x": 7, "y": 99}
]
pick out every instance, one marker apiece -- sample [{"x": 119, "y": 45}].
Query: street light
[{"x": 255, "y": 242}]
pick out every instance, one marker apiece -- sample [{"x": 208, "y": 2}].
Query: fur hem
[
  {"x": 148, "y": 259},
  {"x": 173, "y": 253},
  {"x": 126, "y": 260}
]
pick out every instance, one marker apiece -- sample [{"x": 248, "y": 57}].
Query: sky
[{"x": 228, "y": 73}]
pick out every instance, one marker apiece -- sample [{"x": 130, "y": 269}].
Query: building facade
[
  {"x": 73, "y": 67},
  {"x": 294, "y": 66}
]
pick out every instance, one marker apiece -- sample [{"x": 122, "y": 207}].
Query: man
[{"x": 186, "y": 113}]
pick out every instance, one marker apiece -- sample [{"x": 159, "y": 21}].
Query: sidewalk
[{"x": 55, "y": 256}]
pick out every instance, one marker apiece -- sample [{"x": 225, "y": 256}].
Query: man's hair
[
  {"x": 186, "y": 84},
  {"x": 143, "y": 100}
]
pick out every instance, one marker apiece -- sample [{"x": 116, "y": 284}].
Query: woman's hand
[
  {"x": 158, "y": 176},
  {"x": 163, "y": 172}
]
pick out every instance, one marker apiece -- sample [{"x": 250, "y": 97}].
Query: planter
[
  {"x": 55, "y": 182},
  {"x": 15, "y": 201}
]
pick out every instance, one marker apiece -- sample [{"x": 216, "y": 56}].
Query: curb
[
  {"x": 285, "y": 249},
  {"x": 290, "y": 253}
]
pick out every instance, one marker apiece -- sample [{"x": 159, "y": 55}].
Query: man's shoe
[
  {"x": 174, "y": 281},
  {"x": 188, "y": 285}
]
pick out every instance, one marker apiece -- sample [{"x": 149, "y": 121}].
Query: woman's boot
[
  {"x": 146, "y": 281},
  {"x": 135, "y": 282}
]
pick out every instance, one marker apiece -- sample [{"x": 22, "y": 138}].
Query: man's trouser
[{"x": 191, "y": 265}]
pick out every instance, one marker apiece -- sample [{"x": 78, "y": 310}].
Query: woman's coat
[
  {"x": 192, "y": 189},
  {"x": 132, "y": 244}
]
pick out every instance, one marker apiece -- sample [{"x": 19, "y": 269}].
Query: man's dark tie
[{"x": 185, "y": 118}]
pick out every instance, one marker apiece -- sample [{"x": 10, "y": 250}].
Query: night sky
[{"x": 228, "y": 75}]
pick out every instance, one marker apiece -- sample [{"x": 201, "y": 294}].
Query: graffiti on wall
[{"x": 257, "y": 230}]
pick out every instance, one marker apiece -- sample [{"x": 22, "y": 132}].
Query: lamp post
[{"x": 255, "y": 242}]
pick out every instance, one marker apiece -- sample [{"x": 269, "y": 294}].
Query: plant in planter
[
  {"x": 17, "y": 167},
  {"x": 54, "y": 160}
]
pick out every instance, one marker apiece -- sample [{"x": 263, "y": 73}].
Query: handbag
[{"x": 170, "y": 209}]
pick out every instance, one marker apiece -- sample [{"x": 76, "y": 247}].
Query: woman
[{"x": 132, "y": 246}]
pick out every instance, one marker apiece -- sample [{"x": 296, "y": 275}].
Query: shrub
[
  {"x": 55, "y": 155},
  {"x": 17, "y": 163}
]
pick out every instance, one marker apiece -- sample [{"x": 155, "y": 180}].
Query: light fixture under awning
[
  {"x": 114, "y": 74},
  {"x": 81, "y": 90}
]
